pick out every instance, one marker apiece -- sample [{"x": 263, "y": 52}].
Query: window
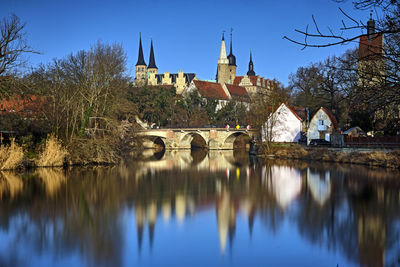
[{"x": 321, "y": 122}]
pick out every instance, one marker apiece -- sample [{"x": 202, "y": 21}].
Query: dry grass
[
  {"x": 53, "y": 154},
  {"x": 11, "y": 156}
]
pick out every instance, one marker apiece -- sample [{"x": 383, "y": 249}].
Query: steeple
[
  {"x": 222, "y": 55},
  {"x": 140, "y": 61},
  {"x": 231, "y": 57},
  {"x": 152, "y": 61},
  {"x": 251, "y": 67}
]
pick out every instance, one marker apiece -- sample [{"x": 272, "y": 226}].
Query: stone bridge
[{"x": 185, "y": 138}]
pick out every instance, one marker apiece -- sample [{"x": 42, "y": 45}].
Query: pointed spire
[
  {"x": 231, "y": 57},
  {"x": 251, "y": 67},
  {"x": 140, "y": 60},
  {"x": 222, "y": 55},
  {"x": 152, "y": 61},
  {"x": 370, "y": 26}
]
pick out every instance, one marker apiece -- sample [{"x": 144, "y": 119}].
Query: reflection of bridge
[{"x": 184, "y": 138}]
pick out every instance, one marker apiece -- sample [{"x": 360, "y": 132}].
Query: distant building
[{"x": 322, "y": 125}]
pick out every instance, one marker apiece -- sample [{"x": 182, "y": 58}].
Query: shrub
[
  {"x": 11, "y": 156},
  {"x": 53, "y": 154}
]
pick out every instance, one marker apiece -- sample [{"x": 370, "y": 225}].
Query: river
[{"x": 198, "y": 208}]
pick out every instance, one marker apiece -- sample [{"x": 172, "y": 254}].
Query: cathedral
[
  {"x": 148, "y": 74},
  {"x": 226, "y": 77}
]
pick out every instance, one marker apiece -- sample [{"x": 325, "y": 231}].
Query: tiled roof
[
  {"x": 29, "y": 105},
  {"x": 238, "y": 92},
  {"x": 211, "y": 90},
  {"x": 300, "y": 111},
  {"x": 237, "y": 80},
  {"x": 368, "y": 48},
  {"x": 253, "y": 80}
]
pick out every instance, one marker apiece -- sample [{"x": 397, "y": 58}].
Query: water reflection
[{"x": 192, "y": 201}]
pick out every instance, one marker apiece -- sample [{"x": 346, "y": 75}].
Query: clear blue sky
[{"x": 186, "y": 34}]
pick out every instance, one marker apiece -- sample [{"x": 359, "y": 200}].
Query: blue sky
[{"x": 186, "y": 34}]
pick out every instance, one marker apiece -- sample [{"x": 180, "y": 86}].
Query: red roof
[
  {"x": 30, "y": 104},
  {"x": 300, "y": 111},
  {"x": 237, "y": 80},
  {"x": 253, "y": 79},
  {"x": 238, "y": 92},
  {"x": 211, "y": 90},
  {"x": 368, "y": 48}
]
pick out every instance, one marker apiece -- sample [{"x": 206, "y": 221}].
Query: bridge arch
[
  {"x": 230, "y": 139},
  {"x": 193, "y": 140},
  {"x": 152, "y": 141}
]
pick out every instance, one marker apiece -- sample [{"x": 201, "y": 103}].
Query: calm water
[{"x": 201, "y": 209}]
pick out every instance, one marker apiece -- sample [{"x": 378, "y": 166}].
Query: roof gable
[{"x": 330, "y": 116}]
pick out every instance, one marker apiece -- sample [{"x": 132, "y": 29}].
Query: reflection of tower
[
  {"x": 152, "y": 215},
  {"x": 226, "y": 218},
  {"x": 223, "y": 209},
  {"x": 166, "y": 210},
  {"x": 140, "y": 220},
  {"x": 180, "y": 207}
]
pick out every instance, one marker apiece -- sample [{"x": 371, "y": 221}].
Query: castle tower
[
  {"x": 232, "y": 64},
  {"x": 140, "y": 67},
  {"x": 251, "y": 72},
  {"x": 223, "y": 74},
  {"x": 152, "y": 68}
]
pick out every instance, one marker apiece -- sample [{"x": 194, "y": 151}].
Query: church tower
[
  {"x": 251, "y": 72},
  {"x": 223, "y": 74},
  {"x": 140, "y": 67},
  {"x": 371, "y": 66},
  {"x": 152, "y": 68},
  {"x": 232, "y": 64}
]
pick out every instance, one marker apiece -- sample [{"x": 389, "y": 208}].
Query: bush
[
  {"x": 11, "y": 156},
  {"x": 53, "y": 154}
]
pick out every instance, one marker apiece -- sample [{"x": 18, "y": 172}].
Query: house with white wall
[
  {"x": 322, "y": 125},
  {"x": 283, "y": 125}
]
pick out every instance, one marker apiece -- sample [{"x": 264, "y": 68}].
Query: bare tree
[{"x": 12, "y": 43}]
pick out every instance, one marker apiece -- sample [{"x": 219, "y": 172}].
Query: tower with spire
[
  {"x": 232, "y": 63},
  {"x": 152, "y": 67},
  {"x": 223, "y": 73},
  {"x": 140, "y": 67},
  {"x": 251, "y": 72}
]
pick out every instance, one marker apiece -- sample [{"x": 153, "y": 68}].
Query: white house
[
  {"x": 284, "y": 125},
  {"x": 322, "y": 125}
]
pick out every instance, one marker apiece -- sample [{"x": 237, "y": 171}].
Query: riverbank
[{"x": 389, "y": 158}]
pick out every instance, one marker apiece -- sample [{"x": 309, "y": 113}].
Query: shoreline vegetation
[
  {"x": 52, "y": 153},
  {"x": 388, "y": 158}
]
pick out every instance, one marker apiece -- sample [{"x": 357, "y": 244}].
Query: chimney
[{"x": 370, "y": 28}]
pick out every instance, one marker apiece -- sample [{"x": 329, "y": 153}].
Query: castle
[{"x": 226, "y": 74}]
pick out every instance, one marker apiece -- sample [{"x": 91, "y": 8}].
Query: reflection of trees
[{"x": 81, "y": 214}]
